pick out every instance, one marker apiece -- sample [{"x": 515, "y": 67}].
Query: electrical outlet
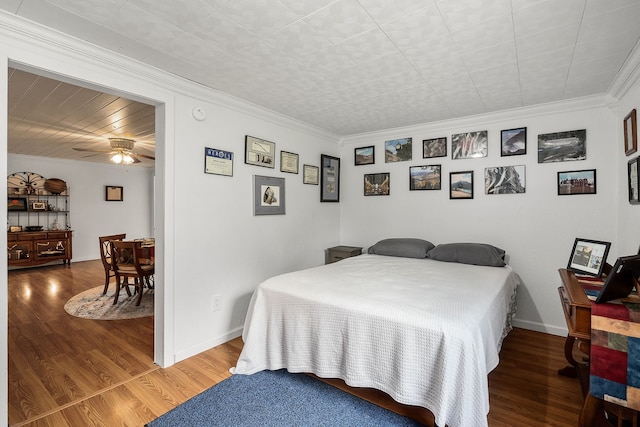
[{"x": 216, "y": 302}]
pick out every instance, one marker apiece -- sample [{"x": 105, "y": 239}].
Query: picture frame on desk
[{"x": 588, "y": 257}]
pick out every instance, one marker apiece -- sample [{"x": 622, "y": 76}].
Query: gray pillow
[
  {"x": 469, "y": 253},
  {"x": 406, "y": 247}
]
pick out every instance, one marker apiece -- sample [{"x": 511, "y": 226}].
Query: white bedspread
[{"x": 425, "y": 332}]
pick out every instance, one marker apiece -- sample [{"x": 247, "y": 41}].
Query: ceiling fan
[{"x": 121, "y": 151}]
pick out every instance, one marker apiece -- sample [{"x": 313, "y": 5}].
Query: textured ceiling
[{"x": 353, "y": 66}]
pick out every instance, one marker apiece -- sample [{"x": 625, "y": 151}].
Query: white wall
[
  {"x": 537, "y": 228},
  {"x": 91, "y": 216}
]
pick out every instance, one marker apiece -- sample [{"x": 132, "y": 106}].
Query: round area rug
[{"x": 92, "y": 304}]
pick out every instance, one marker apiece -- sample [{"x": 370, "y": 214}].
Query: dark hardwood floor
[{"x": 66, "y": 371}]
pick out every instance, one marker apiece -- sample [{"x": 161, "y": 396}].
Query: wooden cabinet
[
  {"x": 337, "y": 253},
  {"x": 35, "y": 248}
]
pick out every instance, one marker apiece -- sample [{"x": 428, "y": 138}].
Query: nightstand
[{"x": 337, "y": 253}]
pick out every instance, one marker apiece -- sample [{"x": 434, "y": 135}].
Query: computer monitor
[{"x": 623, "y": 277}]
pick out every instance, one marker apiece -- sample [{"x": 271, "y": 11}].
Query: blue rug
[{"x": 277, "y": 398}]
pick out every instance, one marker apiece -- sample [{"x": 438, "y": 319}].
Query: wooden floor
[{"x": 66, "y": 371}]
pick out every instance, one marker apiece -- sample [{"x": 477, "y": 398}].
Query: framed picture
[
  {"x": 259, "y": 152},
  {"x": 588, "y": 257},
  {"x": 630, "y": 133},
  {"x": 562, "y": 146},
  {"x": 435, "y": 147},
  {"x": 461, "y": 185},
  {"x": 633, "y": 182},
  {"x": 504, "y": 180},
  {"x": 310, "y": 174},
  {"x": 113, "y": 193},
  {"x": 365, "y": 155},
  {"x": 268, "y": 195},
  {"x": 577, "y": 182},
  {"x": 376, "y": 184},
  {"x": 513, "y": 142},
  {"x": 16, "y": 203},
  {"x": 427, "y": 177},
  {"x": 218, "y": 162},
  {"x": 38, "y": 206},
  {"x": 470, "y": 145},
  {"x": 15, "y": 228},
  {"x": 329, "y": 178},
  {"x": 398, "y": 150},
  {"x": 288, "y": 162}
]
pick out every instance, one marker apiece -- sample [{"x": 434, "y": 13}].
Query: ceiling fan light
[
  {"x": 117, "y": 158},
  {"x": 127, "y": 159}
]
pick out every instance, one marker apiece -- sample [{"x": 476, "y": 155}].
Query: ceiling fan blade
[
  {"x": 89, "y": 149},
  {"x": 93, "y": 155},
  {"x": 135, "y": 159},
  {"x": 144, "y": 156}
]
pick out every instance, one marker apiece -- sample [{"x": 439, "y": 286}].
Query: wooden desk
[{"x": 577, "y": 311}]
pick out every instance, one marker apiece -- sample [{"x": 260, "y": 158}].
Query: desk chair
[
  {"x": 105, "y": 256},
  {"x": 126, "y": 264}
]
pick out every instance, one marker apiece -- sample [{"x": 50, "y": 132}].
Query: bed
[{"x": 423, "y": 328}]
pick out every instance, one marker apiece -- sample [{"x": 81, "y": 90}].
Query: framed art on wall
[
  {"x": 17, "y": 203},
  {"x": 218, "y": 162},
  {"x": 513, "y": 142},
  {"x": 562, "y": 146},
  {"x": 259, "y": 152},
  {"x": 577, "y": 182},
  {"x": 398, "y": 150},
  {"x": 504, "y": 180},
  {"x": 288, "y": 162},
  {"x": 310, "y": 174},
  {"x": 268, "y": 195},
  {"x": 469, "y": 145},
  {"x": 434, "y": 147},
  {"x": 633, "y": 181},
  {"x": 365, "y": 155},
  {"x": 329, "y": 178},
  {"x": 376, "y": 184},
  {"x": 114, "y": 193},
  {"x": 461, "y": 185},
  {"x": 427, "y": 177},
  {"x": 630, "y": 133}
]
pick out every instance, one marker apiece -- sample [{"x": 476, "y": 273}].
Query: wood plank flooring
[{"x": 65, "y": 371}]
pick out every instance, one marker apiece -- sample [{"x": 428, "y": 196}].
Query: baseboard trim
[{"x": 540, "y": 327}]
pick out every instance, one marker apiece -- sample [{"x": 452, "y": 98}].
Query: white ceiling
[{"x": 353, "y": 66}]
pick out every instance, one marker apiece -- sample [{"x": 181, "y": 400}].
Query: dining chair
[
  {"x": 105, "y": 256},
  {"x": 126, "y": 264}
]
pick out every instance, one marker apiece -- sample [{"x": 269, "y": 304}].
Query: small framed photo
[
  {"x": 513, "y": 142},
  {"x": 310, "y": 174},
  {"x": 398, "y": 150},
  {"x": 376, "y": 184},
  {"x": 630, "y": 133},
  {"x": 288, "y": 162},
  {"x": 470, "y": 145},
  {"x": 588, "y": 257},
  {"x": 268, "y": 195},
  {"x": 218, "y": 162},
  {"x": 365, "y": 155},
  {"x": 427, "y": 177},
  {"x": 16, "y": 203},
  {"x": 633, "y": 181},
  {"x": 15, "y": 228},
  {"x": 434, "y": 147},
  {"x": 38, "y": 206},
  {"x": 504, "y": 180},
  {"x": 329, "y": 178},
  {"x": 461, "y": 185},
  {"x": 259, "y": 152},
  {"x": 562, "y": 146},
  {"x": 113, "y": 193},
  {"x": 577, "y": 182}
]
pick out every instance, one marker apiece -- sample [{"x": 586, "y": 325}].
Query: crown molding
[
  {"x": 521, "y": 113},
  {"x": 628, "y": 74},
  {"x": 23, "y": 39}
]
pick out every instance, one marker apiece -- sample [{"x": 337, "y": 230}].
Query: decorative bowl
[
  {"x": 55, "y": 185},
  {"x": 33, "y": 227}
]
